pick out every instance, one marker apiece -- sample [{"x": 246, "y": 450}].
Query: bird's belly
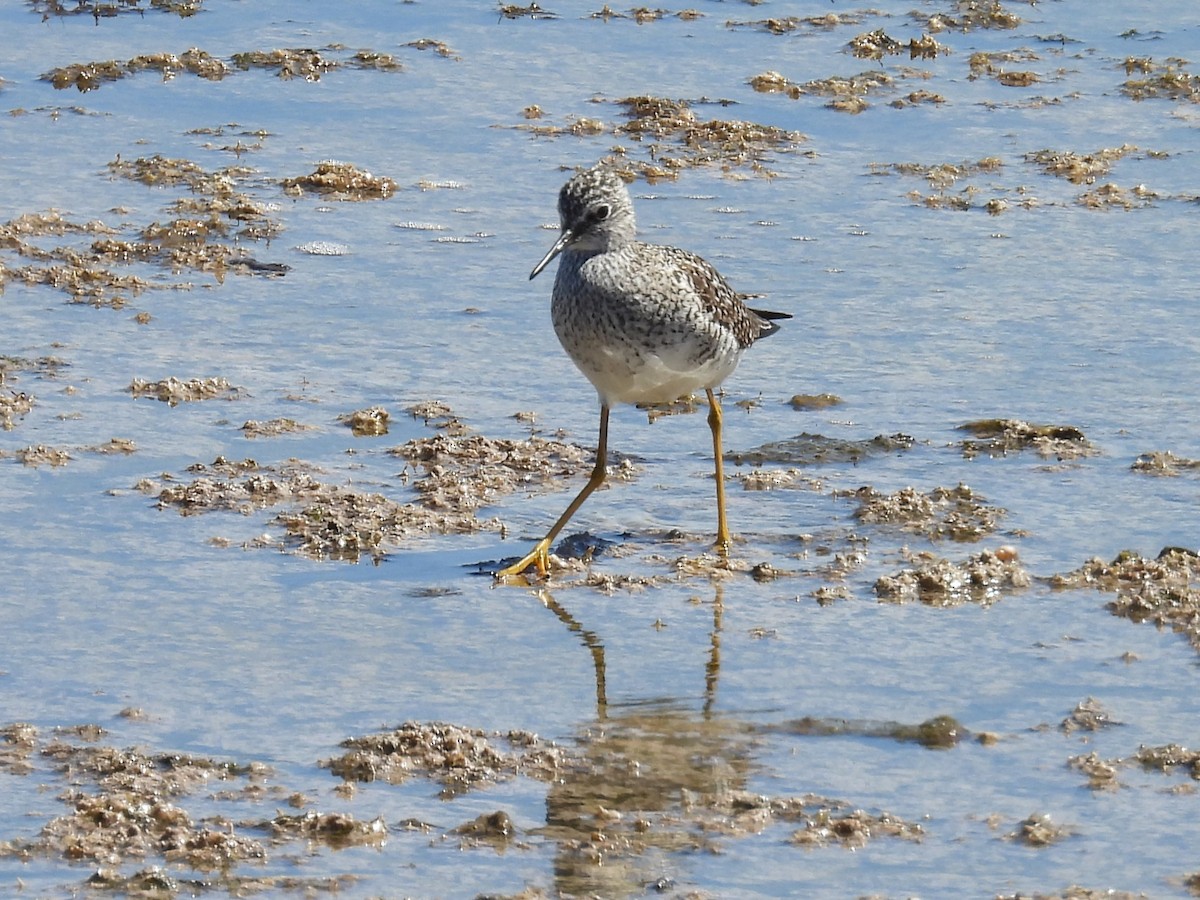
[{"x": 625, "y": 375}]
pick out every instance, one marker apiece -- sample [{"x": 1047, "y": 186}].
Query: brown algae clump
[
  {"x": 458, "y": 758},
  {"x": 999, "y": 437},
  {"x": 1079, "y": 168},
  {"x": 1164, "y": 590},
  {"x": 1164, "y": 464},
  {"x": 957, "y": 513},
  {"x": 982, "y": 578},
  {"x": 341, "y": 181},
  {"x": 174, "y": 390},
  {"x": 367, "y": 422}
]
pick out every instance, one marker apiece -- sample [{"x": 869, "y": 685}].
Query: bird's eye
[{"x": 602, "y": 212}]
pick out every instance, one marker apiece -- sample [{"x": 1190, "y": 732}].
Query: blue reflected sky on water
[{"x": 920, "y": 319}]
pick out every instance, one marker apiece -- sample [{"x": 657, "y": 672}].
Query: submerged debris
[
  {"x": 938, "y": 733},
  {"x": 273, "y": 427},
  {"x": 982, "y": 578},
  {"x": 814, "y": 449},
  {"x": 1164, "y": 590},
  {"x": 999, "y": 437},
  {"x": 957, "y": 513}
]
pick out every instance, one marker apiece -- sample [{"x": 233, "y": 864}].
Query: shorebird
[{"x": 643, "y": 322}]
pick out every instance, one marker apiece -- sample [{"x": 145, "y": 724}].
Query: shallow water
[{"x": 920, "y": 319}]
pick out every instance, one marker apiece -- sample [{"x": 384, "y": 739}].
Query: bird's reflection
[{"x": 648, "y": 777}]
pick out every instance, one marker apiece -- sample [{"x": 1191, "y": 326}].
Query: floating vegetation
[
  {"x": 1088, "y": 715},
  {"x": 1167, "y": 81},
  {"x": 1109, "y": 195},
  {"x": 289, "y": 63},
  {"x": 957, "y": 513},
  {"x": 108, "y": 9},
  {"x": 91, "y": 75},
  {"x": 916, "y": 98},
  {"x": 367, "y": 422},
  {"x": 452, "y": 473},
  {"x": 13, "y": 405},
  {"x": 341, "y": 181},
  {"x": 878, "y": 44},
  {"x": 465, "y": 471},
  {"x": 993, "y": 64},
  {"x": 982, "y": 578},
  {"x": 643, "y": 14},
  {"x": 940, "y": 175},
  {"x": 1039, "y": 830},
  {"x": 999, "y": 437},
  {"x": 847, "y": 93},
  {"x": 969, "y": 15},
  {"x": 713, "y": 141},
  {"x": 458, "y": 758},
  {"x": 532, "y": 11},
  {"x": 1102, "y": 774},
  {"x": 788, "y": 24},
  {"x": 1079, "y": 168},
  {"x": 305, "y": 63},
  {"x": 336, "y": 830},
  {"x": 438, "y": 47},
  {"x": 1164, "y": 463},
  {"x": 675, "y": 138},
  {"x": 174, "y": 390},
  {"x": 41, "y": 455},
  {"x": 1164, "y": 591},
  {"x": 371, "y": 59},
  {"x": 204, "y": 234}
]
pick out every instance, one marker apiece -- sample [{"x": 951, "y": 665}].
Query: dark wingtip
[{"x": 768, "y": 320}]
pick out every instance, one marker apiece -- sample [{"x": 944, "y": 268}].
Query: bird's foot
[{"x": 517, "y": 573}]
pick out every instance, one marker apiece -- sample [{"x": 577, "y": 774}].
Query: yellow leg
[
  {"x": 714, "y": 422},
  {"x": 539, "y": 556}
]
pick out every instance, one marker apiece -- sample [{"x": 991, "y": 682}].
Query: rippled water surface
[{"x": 678, "y": 701}]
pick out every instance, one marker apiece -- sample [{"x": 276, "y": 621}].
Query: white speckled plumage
[{"x": 643, "y": 322}]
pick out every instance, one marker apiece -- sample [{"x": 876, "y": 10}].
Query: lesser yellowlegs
[{"x": 643, "y": 322}]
